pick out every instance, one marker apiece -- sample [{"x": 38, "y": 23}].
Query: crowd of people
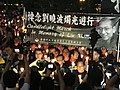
[{"x": 41, "y": 66}]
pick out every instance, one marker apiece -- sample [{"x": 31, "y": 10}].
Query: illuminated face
[
  {"x": 76, "y": 55},
  {"x": 80, "y": 67},
  {"x": 96, "y": 56},
  {"x": 33, "y": 47},
  {"x": 105, "y": 29},
  {"x": 60, "y": 60},
  {"x": 38, "y": 55},
  {"x": 65, "y": 52}
]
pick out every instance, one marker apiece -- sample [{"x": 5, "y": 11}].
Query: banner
[{"x": 71, "y": 28}]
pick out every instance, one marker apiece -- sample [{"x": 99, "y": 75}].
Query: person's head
[
  {"x": 33, "y": 46},
  {"x": 8, "y": 51},
  {"x": 10, "y": 78},
  {"x": 80, "y": 66},
  {"x": 35, "y": 80},
  {"x": 69, "y": 79},
  {"x": 60, "y": 59},
  {"x": 57, "y": 52},
  {"x": 39, "y": 54},
  {"x": 74, "y": 54},
  {"x": 65, "y": 51},
  {"x": 17, "y": 41},
  {"x": 84, "y": 86},
  {"x": 96, "y": 56},
  {"x": 47, "y": 84},
  {"x": 107, "y": 27}
]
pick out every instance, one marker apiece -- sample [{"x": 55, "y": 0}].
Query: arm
[
  {"x": 48, "y": 72},
  {"x": 61, "y": 81},
  {"x": 6, "y": 68},
  {"x": 26, "y": 84},
  {"x": 27, "y": 76},
  {"x": 110, "y": 84}
]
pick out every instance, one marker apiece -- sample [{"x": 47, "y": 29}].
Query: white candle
[
  {"x": 73, "y": 64},
  {"x": 47, "y": 50},
  {"x": 82, "y": 55},
  {"x": 53, "y": 60}
]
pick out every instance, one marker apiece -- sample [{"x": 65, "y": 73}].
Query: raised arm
[
  {"x": 61, "y": 81},
  {"x": 27, "y": 76},
  {"x": 110, "y": 84}
]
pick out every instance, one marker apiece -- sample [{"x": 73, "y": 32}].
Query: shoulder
[
  {"x": 25, "y": 86},
  {"x": 1, "y": 87}
]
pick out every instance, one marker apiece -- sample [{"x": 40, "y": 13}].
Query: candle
[
  {"x": 39, "y": 45},
  {"x": 82, "y": 48},
  {"x": 47, "y": 50},
  {"x": 45, "y": 56},
  {"x": 106, "y": 54},
  {"x": 21, "y": 69},
  {"x": 53, "y": 60},
  {"x": 87, "y": 58},
  {"x": 16, "y": 27},
  {"x": 82, "y": 55},
  {"x": 73, "y": 64},
  {"x": 80, "y": 78}
]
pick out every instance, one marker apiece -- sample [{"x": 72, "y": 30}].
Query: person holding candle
[
  {"x": 74, "y": 56},
  {"x": 33, "y": 46},
  {"x": 39, "y": 59},
  {"x": 95, "y": 71},
  {"x": 80, "y": 72}
]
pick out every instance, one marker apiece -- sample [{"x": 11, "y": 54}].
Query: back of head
[
  {"x": 47, "y": 84},
  {"x": 35, "y": 80},
  {"x": 84, "y": 86},
  {"x": 95, "y": 76},
  {"x": 10, "y": 78},
  {"x": 69, "y": 79}
]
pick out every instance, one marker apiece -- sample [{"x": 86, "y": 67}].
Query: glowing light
[
  {"x": 39, "y": 45},
  {"x": 18, "y": 20},
  {"x": 73, "y": 63},
  {"x": 87, "y": 58},
  {"x": 82, "y": 48},
  {"x": 21, "y": 69},
  {"x": 45, "y": 56},
  {"x": 53, "y": 60},
  {"x": 47, "y": 50},
  {"x": 106, "y": 54},
  {"x": 36, "y": 40},
  {"x": 16, "y": 4},
  {"x": 16, "y": 27},
  {"x": 82, "y": 0},
  {"x": 82, "y": 55}
]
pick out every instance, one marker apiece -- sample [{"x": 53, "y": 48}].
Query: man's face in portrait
[{"x": 105, "y": 29}]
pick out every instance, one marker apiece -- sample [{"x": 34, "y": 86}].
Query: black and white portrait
[{"x": 108, "y": 28}]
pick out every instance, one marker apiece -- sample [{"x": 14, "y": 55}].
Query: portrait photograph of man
[{"x": 108, "y": 28}]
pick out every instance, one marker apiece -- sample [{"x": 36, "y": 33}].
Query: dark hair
[
  {"x": 84, "y": 86},
  {"x": 95, "y": 75},
  {"x": 10, "y": 78},
  {"x": 72, "y": 52},
  {"x": 60, "y": 55},
  {"x": 39, "y": 49},
  {"x": 69, "y": 79},
  {"x": 57, "y": 50},
  {"x": 65, "y": 47},
  {"x": 80, "y": 60},
  {"x": 35, "y": 80},
  {"x": 47, "y": 84}
]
